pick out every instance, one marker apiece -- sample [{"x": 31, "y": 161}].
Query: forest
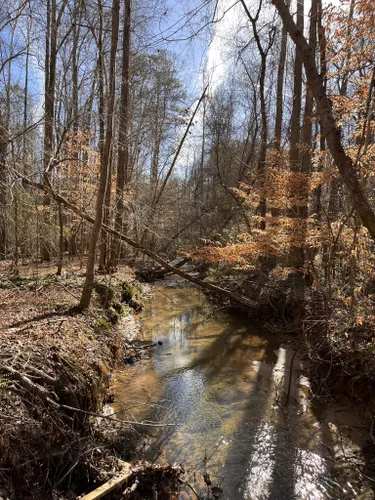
[{"x": 227, "y": 145}]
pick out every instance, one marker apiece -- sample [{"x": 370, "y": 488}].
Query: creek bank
[{"x": 55, "y": 360}]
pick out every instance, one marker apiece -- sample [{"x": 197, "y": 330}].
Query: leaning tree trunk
[{"x": 330, "y": 128}]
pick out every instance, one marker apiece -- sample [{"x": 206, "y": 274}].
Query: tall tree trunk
[
  {"x": 306, "y": 150},
  {"x": 3, "y": 189},
  {"x": 106, "y": 157},
  {"x": 323, "y": 72},
  {"x": 25, "y": 145},
  {"x": 123, "y": 148},
  {"x": 61, "y": 241},
  {"x": 54, "y": 16},
  {"x": 75, "y": 67},
  {"x": 275, "y": 211},
  {"x": 280, "y": 88},
  {"x": 264, "y": 138},
  {"x": 90, "y": 267},
  {"x": 263, "y": 52},
  {"x": 296, "y": 249},
  {"x": 49, "y": 100},
  {"x": 104, "y": 237}
]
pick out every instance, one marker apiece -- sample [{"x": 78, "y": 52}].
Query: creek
[{"x": 223, "y": 382}]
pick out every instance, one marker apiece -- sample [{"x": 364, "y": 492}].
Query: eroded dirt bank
[{"x": 54, "y": 362}]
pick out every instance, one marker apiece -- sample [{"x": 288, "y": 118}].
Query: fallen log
[
  {"x": 142, "y": 477},
  {"x": 234, "y": 297},
  {"x": 159, "y": 272},
  {"x": 112, "y": 484}
]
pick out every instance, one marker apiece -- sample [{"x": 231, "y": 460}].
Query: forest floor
[{"x": 52, "y": 358}]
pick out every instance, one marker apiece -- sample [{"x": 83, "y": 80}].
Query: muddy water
[{"x": 224, "y": 383}]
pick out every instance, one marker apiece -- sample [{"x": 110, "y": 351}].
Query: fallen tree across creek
[{"x": 234, "y": 297}]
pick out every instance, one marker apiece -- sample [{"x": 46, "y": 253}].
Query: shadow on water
[{"x": 224, "y": 385}]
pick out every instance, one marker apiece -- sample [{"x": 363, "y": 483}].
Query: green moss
[
  {"x": 83, "y": 338},
  {"x": 131, "y": 294},
  {"x": 15, "y": 282},
  {"x": 27, "y": 283},
  {"x": 4, "y": 383},
  {"x": 73, "y": 363},
  {"x": 102, "y": 325}
]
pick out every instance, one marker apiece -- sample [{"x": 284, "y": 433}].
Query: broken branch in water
[{"x": 130, "y": 489}]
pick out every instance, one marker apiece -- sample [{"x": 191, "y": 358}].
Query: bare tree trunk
[
  {"x": 7, "y": 127},
  {"x": 336, "y": 184},
  {"x": 307, "y": 131},
  {"x": 90, "y": 267},
  {"x": 263, "y": 52},
  {"x": 330, "y": 128},
  {"x": 123, "y": 152},
  {"x": 75, "y": 65},
  {"x": 323, "y": 72},
  {"x": 54, "y": 17},
  {"x": 25, "y": 145},
  {"x": 3, "y": 189},
  {"x": 105, "y": 157},
  {"x": 280, "y": 88},
  {"x": 103, "y": 255},
  {"x": 296, "y": 250},
  {"x": 275, "y": 211},
  {"x": 61, "y": 241},
  {"x": 49, "y": 99}
]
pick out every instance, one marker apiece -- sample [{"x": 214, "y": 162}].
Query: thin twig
[{"x": 110, "y": 417}]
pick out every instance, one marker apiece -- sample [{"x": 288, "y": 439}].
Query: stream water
[{"x": 224, "y": 384}]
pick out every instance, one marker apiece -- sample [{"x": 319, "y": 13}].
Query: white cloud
[{"x": 218, "y": 60}]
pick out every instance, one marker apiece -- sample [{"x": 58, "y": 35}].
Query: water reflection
[{"x": 222, "y": 382}]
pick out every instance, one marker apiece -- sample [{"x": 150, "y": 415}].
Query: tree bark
[
  {"x": 97, "y": 226},
  {"x": 264, "y": 119},
  {"x": 296, "y": 249},
  {"x": 54, "y": 16},
  {"x": 280, "y": 88},
  {"x": 123, "y": 151},
  {"x": 3, "y": 189}
]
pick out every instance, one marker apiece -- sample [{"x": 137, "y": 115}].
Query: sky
[{"x": 208, "y": 56}]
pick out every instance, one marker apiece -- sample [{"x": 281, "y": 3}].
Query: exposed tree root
[{"x": 45, "y": 395}]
